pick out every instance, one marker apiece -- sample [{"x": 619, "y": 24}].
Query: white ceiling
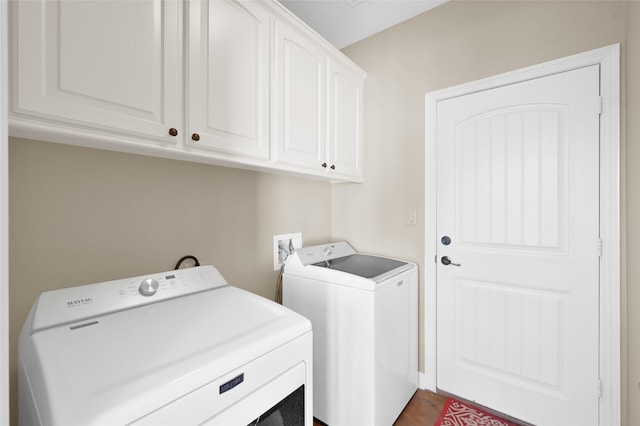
[{"x": 344, "y": 22}]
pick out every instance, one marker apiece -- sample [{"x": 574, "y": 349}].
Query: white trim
[
  {"x": 4, "y": 218},
  {"x": 609, "y": 60},
  {"x": 422, "y": 380},
  {"x": 610, "y": 409}
]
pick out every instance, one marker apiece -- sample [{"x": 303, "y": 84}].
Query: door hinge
[
  {"x": 600, "y": 102},
  {"x": 599, "y": 247},
  {"x": 599, "y": 388}
]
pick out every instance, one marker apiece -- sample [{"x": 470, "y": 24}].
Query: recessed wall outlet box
[{"x": 283, "y": 246}]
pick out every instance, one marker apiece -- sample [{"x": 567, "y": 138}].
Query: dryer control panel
[{"x": 68, "y": 305}]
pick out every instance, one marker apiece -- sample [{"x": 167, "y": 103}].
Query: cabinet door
[
  {"x": 229, "y": 77},
  {"x": 345, "y": 120},
  {"x": 98, "y": 65},
  {"x": 299, "y": 115}
]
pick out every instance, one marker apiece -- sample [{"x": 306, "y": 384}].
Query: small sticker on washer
[{"x": 231, "y": 383}]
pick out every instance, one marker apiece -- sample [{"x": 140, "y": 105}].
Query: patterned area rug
[{"x": 456, "y": 413}]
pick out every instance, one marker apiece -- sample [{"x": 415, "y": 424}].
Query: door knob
[
  {"x": 446, "y": 261},
  {"x": 446, "y": 240}
]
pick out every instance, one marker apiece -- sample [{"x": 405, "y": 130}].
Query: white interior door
[{"x": 518, "y": 197}]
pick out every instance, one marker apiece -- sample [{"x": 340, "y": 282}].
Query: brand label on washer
[{"x": 231, "y": 383}]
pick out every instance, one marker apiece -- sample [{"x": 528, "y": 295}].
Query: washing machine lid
[
  {"x": 363, "y": 265},
  {"x": 115, "y": 365},
  {"x": 342, "y": 257}
]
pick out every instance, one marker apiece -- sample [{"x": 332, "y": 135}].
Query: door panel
[
  {"x": 518, "y": 193},
  {"x": 299, "y": 117},
  {"x": 512, "y": 193},
  {"x": 72, "y": 67},
  {"x": 527, "y": 350},
  {"x": 85, "y": 79},
  {"x": 229, "y": 77},
  {"x": 345, "y": 120}
]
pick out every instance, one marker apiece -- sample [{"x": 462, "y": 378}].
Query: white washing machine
[
  {"x": 174, "y": 348},
  {"x": 364, "y": 312}
]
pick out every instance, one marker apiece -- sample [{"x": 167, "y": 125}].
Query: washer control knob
[
  {"x": 328, "y": 251},
  {"x": 148, "y": 287}
]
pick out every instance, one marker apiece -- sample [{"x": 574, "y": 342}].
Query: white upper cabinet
[
  {"x": 345, "y": 99},
  {"x": 317, "y": 119},
  {"x": 300, "y": 98},
  {"x": 228, "y": 85},
  {"x": 101, "y": 65},
  {"x": 240, "y": 83}
]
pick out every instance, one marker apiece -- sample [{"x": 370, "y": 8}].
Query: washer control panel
[
  {"x": 64, "y": 306},
  {"x": 314, "y": 254}
]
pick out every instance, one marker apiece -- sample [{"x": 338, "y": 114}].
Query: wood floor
[
  {"x": 425, "y": 407},
  {"x": 423, "y": 410}
]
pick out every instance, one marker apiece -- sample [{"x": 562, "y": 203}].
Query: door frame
[
  {"x": 609, "y": 320},
  {"x": 4, "y": 215}
]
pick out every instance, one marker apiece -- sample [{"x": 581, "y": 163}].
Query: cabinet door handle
[
  {"x": 195, "y": 137},
  {"x": 173, "y": 131},
  {"x": 324, "y": 165},
  {"x": 333, "y": 167}
]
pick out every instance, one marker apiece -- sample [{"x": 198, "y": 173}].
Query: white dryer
[
  {"x": 364, "y": 312},
  {"x": 174, "y": 348}
]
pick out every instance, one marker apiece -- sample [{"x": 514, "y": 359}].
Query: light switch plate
[
  {"x": 281, "y": 247},
  {"x": 411, "y": 217}
]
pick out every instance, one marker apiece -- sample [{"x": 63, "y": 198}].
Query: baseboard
[{"x": 422, "y": 381}]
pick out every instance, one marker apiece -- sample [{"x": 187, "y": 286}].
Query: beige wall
[
  {"x": 455, "y": 43},
  {"x": 79, "y": 216}
]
